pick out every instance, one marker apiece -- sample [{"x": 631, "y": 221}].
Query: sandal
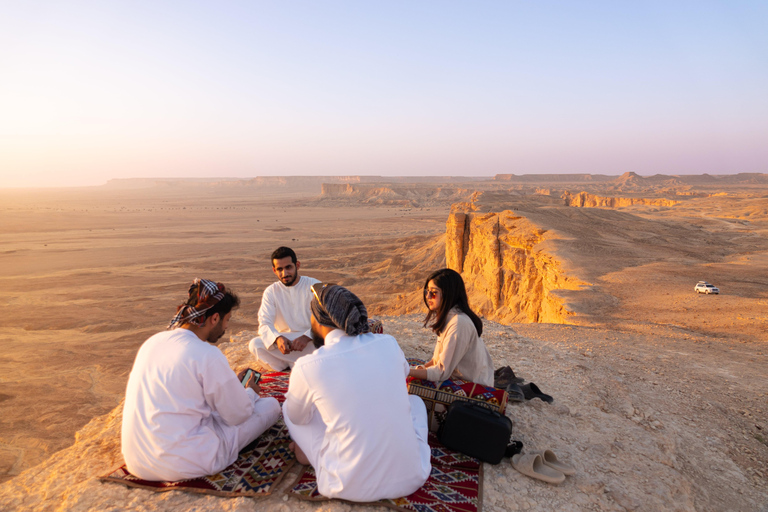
[
  {"x": 550, "y": 459},
  {"x": 532, "y": 465}
]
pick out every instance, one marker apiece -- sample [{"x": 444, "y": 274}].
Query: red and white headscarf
[{"x": 204, "y": 294}]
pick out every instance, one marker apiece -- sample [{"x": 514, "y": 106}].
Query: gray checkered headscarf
[
  {"x": 340, "y": 308},
  {"x": 203, "y": 295}
]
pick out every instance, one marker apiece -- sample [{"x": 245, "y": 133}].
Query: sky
[{"x": 91, "y": 91}]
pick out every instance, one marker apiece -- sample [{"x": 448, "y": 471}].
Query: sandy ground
[
  {"x": 88, "y": 275},
  {"x": 643, "y": 432},
  {"x": 661, "y": 407}
]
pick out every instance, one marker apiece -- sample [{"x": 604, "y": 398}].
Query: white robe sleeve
[
  {"x": 299, "y": 406},
  {"x": 225, "y": 394},
  {"x": 267, "y": 313}
]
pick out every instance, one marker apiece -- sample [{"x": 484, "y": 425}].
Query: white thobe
[
  {"x": 348, "y": 409},
  {"x": 186, "y": 414},
  {"x": 285, "y": 312}
]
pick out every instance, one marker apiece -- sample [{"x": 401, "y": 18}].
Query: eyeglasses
[{"x": 431, "y": 294}]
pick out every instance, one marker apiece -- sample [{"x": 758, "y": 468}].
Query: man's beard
[
  {"x": 292, "y": 281},
  {"x": 317, "y": 340},
  {"x": 215, "y": 335}
]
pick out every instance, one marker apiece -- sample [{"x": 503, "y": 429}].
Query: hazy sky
[{"x": 96, "y": 90}]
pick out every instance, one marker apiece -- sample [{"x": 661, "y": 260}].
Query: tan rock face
[
  {"x": 509, "y": 275},
  {"x": 587, "y": 200},
  {"x": 409, "y": 195}
]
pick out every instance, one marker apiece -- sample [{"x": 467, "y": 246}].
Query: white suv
[{"x": 705, "y": 287}]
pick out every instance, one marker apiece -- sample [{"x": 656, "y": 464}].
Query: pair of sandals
[
  {"x": 542, "y": 465},
  {"x": 505, "y": 378}
]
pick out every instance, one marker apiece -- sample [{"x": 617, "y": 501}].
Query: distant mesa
[
  {"x": 587, "y": 200},
  {"x": 394, "y": 194},
  {"x": 552, "y": 178}
]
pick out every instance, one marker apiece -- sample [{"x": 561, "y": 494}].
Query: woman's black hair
[{"x": 454, "y": 294}]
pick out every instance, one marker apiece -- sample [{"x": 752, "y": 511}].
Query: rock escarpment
[
  {"x": 587, "y": 200},
  {"x": 390, "y": 194},
  {"x": 510, "y": 275}
]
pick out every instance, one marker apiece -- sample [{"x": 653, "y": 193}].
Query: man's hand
[
  {"x": 283, "y": 344},
  {"x": 300, "y": 343},
  {"x": 252, "y": 384},
  {"x": 251, "y": 380}
]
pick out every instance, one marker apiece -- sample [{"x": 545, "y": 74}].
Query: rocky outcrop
[
  {"x": 394, "y": 194},
  {"x": 606, "y": 417},
  {"x": 509, "y": 274},
  {"x": 587, "y": 200}
]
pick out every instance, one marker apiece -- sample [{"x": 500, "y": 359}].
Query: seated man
[
  {"x": 348, "y": 409},
  {"x": 284, "y": 334},
  {"x": 186, "y": 414}
]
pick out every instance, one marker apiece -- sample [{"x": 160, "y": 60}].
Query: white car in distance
[{"x": 705, "y": 287}]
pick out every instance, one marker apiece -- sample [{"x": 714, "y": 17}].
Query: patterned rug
[
  {"x": 455, "y": 485},
  {"x": 258, "y": 469},
  {"x": 452, "y": 389}
]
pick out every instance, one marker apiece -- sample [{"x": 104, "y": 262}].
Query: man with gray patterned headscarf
[
  {"x": 348, "y": 408},
  {"x": 337, "y": 307}
]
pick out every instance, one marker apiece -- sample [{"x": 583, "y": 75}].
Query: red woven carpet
[
  {"x": 455, "y": 485},
  {"x": 257, "y": 470}
]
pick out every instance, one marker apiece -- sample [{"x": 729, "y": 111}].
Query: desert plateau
[{"x": 585, "y": 284}]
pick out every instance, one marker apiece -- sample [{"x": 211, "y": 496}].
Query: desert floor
[
  {"x": 662, "y": 407},
  {"x": 88, "y": 275}
]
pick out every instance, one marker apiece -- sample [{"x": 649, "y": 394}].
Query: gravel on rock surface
[{"x": 651, "y": 421}]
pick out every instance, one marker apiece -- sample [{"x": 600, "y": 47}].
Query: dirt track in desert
[{"x": 88, "y": 274}]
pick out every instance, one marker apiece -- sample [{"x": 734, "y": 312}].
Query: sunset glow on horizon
[{"x": 94, "y": 91}]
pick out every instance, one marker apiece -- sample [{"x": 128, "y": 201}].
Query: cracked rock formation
[{"x": 509, "y": 274}]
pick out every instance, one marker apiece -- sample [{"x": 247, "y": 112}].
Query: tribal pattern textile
[
  {"x": 208, "y": 294},
  {"x": 375, "y": 326},
  {"x": 258, "y": 469},
  {"x": 274, "y": 384},
  {"x": 452, "y": 389},
  {"x": 455, "y": 485}
]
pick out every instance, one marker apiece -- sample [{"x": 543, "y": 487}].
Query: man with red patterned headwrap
[{"x": 186, "y": 414}]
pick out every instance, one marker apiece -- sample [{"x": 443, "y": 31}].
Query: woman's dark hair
[{"x": 454, "y": 294}]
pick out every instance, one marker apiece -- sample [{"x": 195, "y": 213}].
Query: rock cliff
[
  {"x": 508, "y": 271},
  {"x": 587, "y": 200},
  {"x": 411, "y": 194}
]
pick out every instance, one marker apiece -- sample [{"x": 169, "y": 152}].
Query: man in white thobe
[
  {"x": 284, "y": 327},
  {"x": 348, "y": 409},
  {"x": 186, "y": 413}
]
